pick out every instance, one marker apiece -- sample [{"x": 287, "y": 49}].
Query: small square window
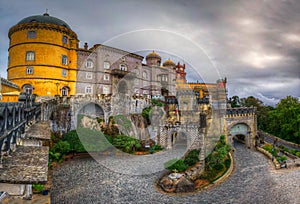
[
  {"x": 64, "y": 60},
  {"x": 30, "y": 56},
  {"x": 89, "y": 75},
  {"x": 105, "y": 90},
  {"x": 64, "y": 72},
  {"x": 31, "y": 34},
  {"x": 88, "y": 90},
  {"x": 89, "y": 63},
  {"x": 29, "y": 70},
  {"x": 65, "y": 39},
  {"x": 106, "y": 77}
]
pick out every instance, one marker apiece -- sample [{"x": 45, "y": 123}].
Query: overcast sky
[{"x": 255, "y": 44}]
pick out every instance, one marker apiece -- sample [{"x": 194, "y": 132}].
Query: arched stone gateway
[
  {"x": 87, "y": 105},
  {"x": 242, "y": 124}
]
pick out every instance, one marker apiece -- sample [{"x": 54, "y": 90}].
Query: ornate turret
[
  {"x": 180, "y": 72},
  {"x": 169, "y": 64},
  {"x": 153, "y": 59}
]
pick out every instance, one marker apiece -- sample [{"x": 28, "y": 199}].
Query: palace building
[{"x": 44, "y": 58}]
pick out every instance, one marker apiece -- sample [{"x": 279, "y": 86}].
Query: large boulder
[
  {"x": 184, "y": 185},
  {"x": 167, "y": 184}
]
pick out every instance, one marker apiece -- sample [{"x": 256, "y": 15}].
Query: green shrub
[
  {"x": 179, "y": 166},
  {"x": 156, "y": 147},
  {"x": 38, "y": 187},
  {"x": 170, "y": 163},
  {"x": 298, "y": 154},
  {"x": 61, "y": 147},
  {"x": 126, "y": 143},
  {"x": 155, "y": 102},
  {"x": 293, "y": 151},
  {"x": 281, "y": 158},
  {"x": 75, "y": 144},
  {"x": 227, "y": 163},
  {"x": 218, "y": 167},
  {"x": 192, "y": 157},
  {"x": 93, "y": 140}
]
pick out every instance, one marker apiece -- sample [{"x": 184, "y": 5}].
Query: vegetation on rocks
[
  {"x": 181, "y": 165},
  {"x": 217, "y": 162}
]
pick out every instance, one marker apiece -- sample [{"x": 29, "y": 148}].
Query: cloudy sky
[{"x": 255, "y": 44}]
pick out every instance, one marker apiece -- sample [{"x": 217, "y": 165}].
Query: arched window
[
  {"x": 106, "y": 65},
  {"x": 144, "y": 75},
  {"x": 27, "y": 88},
  {"x": 123, "y": 67},
  {"x": 64, "y": 91}
]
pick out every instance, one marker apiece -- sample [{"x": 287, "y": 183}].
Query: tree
[
  {"x": 251, "y": 101},
  {"x": 234, "y": 101}
]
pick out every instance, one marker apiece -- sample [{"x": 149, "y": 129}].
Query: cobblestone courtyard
[{"x": 253, "y": 181}]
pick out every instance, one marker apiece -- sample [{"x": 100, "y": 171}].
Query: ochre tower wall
[{"x": 47, "y": 77}]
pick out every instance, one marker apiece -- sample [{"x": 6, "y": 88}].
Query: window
[
  {"x": 30, "y": 55},
  {"x": 164, "y": 78},
  {"x": 64, "y": 72},
  {"x": 64, "y": 60},
  {"x": 106, "y": 77},
  {"x": 31, "y": 34},
  {"x": 89, "y": 75},
  {"x": 88, "y": 90},
  {"x": 65, "y": 39},
  {"x": 64, "y": 91},
  {"x": 123, "y": 67},
  {"x": 29, "y": 70},
  {"x": 89, "y": 63},
  {"x": 27, "y": 88},
  {"x": 105, "y": 90},
  {"x": 136, "y": 81},
  {"x": 145, "y": 75},
  {"x": 106, "y": 65}
]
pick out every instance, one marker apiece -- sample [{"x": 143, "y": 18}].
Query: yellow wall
[
  {"x": 48, "y": 48},
  {"x": 10, "y": 98},
  {"x": 5, "y": 89}
]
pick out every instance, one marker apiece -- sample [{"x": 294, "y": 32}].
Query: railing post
[
  {"x": 14, "y": 116},
  {"x": 5, "y": 117}
]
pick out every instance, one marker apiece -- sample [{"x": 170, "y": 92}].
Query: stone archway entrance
[
  {"x": 242, "y": 124},
  {"x": 240, "y": 132},
  {"x": 92, "y": 110}
]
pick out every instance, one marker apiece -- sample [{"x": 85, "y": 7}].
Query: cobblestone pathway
[{"x": 253, "y": 181}]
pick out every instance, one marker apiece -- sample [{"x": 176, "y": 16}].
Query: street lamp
[{"x": 57, "y": 88}]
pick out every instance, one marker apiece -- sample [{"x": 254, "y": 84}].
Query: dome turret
[
  {"x": 45, "y": 18},
  {"x": 169, "y": 63},
  {"x": 153, "y": 59}
]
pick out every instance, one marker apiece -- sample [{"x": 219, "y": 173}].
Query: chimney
[{"x": 86, "y": 46}]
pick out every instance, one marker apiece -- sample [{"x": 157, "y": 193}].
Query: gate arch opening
[
  {"x": 240, "y": 132},
  {"x": 92, "y": 110}
]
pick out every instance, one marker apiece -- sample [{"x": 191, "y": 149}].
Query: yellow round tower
[{"x": 42, "y": 56}]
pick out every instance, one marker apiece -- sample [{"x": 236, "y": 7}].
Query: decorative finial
[{"x": 46, "y": 14}]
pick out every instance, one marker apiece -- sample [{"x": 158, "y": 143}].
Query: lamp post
[{"x": 57, "y": 88}]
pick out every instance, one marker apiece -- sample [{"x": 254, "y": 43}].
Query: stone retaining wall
[
  {"x": 280, "y": 140},
  {"x": 270, "y": 156}
]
